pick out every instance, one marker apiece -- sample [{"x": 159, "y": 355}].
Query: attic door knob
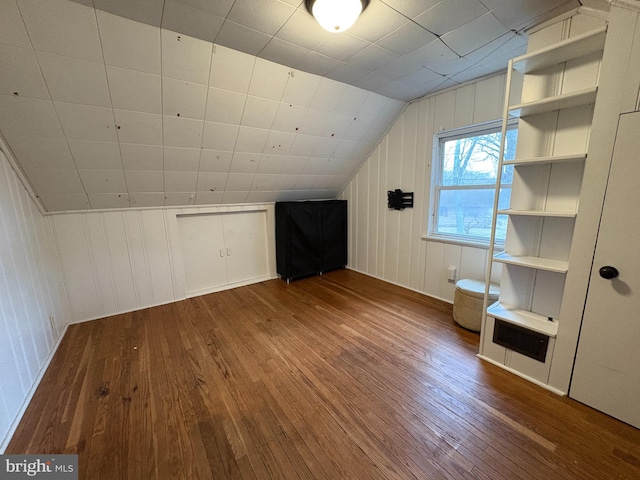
[{"x": 608, "y": 272}]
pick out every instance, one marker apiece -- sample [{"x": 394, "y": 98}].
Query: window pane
[
  {"x": 474, "y": 160},
  {"x": 468, "y": 213}
]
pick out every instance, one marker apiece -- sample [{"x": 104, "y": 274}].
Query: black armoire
[{"x": 311, "y": 237}]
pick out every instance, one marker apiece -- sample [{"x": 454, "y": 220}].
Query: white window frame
[{"x": 438, "y": 144}]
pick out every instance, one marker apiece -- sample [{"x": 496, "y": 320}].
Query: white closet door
[
  {"x": 246, "y": 245},
  {"x": 203, "y": 253},
  {"x": 607, "y": 374}
]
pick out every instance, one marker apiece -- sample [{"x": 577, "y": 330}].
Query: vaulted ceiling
[{"x": 135, "y": 103}]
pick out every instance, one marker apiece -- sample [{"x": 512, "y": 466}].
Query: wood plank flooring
[{"x": 332, "y": 377}]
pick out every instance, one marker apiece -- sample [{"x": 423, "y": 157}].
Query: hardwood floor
[{"x": 339, "y": 376}]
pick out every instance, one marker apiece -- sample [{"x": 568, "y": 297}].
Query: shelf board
[
  {"x": 538, "y": 263},
  {"x": 524, "y": 318},
  {"x": 558, "y": 102},
  {"x": 575, "y": 47},
  {"x": 545, "y": 160},
  {"x": 537, "y": 213}
]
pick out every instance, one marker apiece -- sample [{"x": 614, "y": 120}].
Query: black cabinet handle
[{"x": 608, "y": 272}]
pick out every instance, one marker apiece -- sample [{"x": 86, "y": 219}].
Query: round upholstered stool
[{"x": 467, "y": 302}]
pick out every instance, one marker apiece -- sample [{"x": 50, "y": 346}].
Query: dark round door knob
[{"x": 608, "y": 272}]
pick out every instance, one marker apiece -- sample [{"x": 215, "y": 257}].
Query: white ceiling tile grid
[{"x": 140, "y": 103}]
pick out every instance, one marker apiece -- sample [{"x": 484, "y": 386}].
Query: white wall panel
[
  {"x": 389, "y": 244},
  {"x": 30, "y": 291}
]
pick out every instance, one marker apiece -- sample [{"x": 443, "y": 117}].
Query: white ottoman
[{"x": 467, "y": 302}]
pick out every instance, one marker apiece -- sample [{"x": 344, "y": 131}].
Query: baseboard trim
[{"x": 31, "y": 393}]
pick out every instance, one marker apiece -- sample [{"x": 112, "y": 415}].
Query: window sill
[{"x": 455, "y": 241}]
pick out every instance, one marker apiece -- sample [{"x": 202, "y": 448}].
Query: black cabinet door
[{"x": 311, "y": 237}]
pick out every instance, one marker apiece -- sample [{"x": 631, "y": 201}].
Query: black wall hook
[{"x": 399, "y": 200}]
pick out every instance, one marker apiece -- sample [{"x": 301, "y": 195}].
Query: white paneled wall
[
  {"x": 119, "y": 261},
  {"x": 30, "y": 291},
  {"x": 389, "y": 244}
]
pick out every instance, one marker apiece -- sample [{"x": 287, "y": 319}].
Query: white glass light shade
[{"x": 336, "y": 15}]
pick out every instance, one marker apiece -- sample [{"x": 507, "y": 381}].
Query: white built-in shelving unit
[{"x": 559, "y": 84}]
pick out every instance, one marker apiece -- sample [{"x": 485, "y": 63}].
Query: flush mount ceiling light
[{"x": 336, "y": 16}]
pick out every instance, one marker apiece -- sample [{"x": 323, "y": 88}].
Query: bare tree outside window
[{"x": 467, "y": 169}]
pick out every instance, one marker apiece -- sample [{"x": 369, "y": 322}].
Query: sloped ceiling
[{"x": 134, "y": 103}]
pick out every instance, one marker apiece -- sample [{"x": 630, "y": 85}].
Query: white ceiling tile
[
  {"x": 279, "y": 143},
  {"x": 139, "y": 127},
  {"x": 411, "y": 8},
  {"x": 338, "y": 124},
  {"x": 302, "y": 29},
  {"x": 259, "y": 112},
  {"x": 211, "y": 182},
  {"x": 245, "y": 162},
  {"x": 180, "y": 181},
  {"x": 129, "y": 44},
  {"x": 358, "y": 128},
  {"x": 265, "y": 17},
  {"x": 96, "y": 155},
  {"x": 182, "y": 132},
  {"x": 184, "y": 99},
  {"x": 373, "y": 106},
  {"x": 286, "y": 181},
  {"x": 239, "y": 182},
  {"x": 185, "y": 58},
  {"x": 424, "y": 76},
  {"x": 144, "y": 181},
  {"x": 63, "y": 203},
  {"x": 137, "y": 91},
  {"x": 181, "y": 159},
  {"x": 54, "y": 181},
  {"x": 219, "y": 8},
  {"x": 474, "y": 34},
  {"x": 271, "y": 164},
  {"x": 325, "y": 147},
  {"x": 242, "y": 38},
  {"x": 219, "y": 136},
  {"x": 28, "y": 117},
  {"x": 334, "y": 166},
  {"x": 439, "y": 18},
  {"x": 377, "y": 21},
  {"x": 86, "y": 122},
  {"x": 12, "y": 29},
  {"x": 317, "y": 63},
  {"x": 351, "y": 101},
  {"x": 144, "y": 11},
  {"x": 293, "y": 165},
  {"x": 234, "y": 197},
  {"x": 62, "y": 27},
  {"x": 372, "y": 57},
  {"x": 398, "y": 68},
  {"x": 303, "y": 145},
  {"x": 372, "y": 82},
  {"x": 224, "y": 106},
  {"x": 315, "y": 166},
  {"x": 289, "y": 118},
  {"x": 263, "y": 197},
  {"x": 75, "y": 81},
  {"x": 197, "y": 23},
  {"x": 264, "y": 182},
  {"x": 517, "y": 14},
  {"x": 328, "y": 95},
  {"x": 215, "y": 161},
  {"x": 342, "y": 46},
  {"x": 300, "y": 88},
  {"x": 209, "y": 198},
  {"x": 103, "y": 181},
  {"x": 431, "y": 54},
  {"x": 21, "y": 73},
  {"x": 347, "y": 73},
  {"x": 268, "y": 79},
  {"x": 315, "y": 122},
  {"x": 230, "y": 69},
  {"x": 406, "y": 38},
  {"x": 305, "y": 182},
  {"x": 251, "y": 140},
  {"x": 109, "y": 200},
  {"x": 179, "y": 198},
  {"x": 141, "y": 157},
  {"x": 344, "y": 149},
  {"x": 451, "y": 67},
  {"x": 283, "y": 52},
  {"x": 146, "y": 199},
  {"x": 37, "y": 152}
]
